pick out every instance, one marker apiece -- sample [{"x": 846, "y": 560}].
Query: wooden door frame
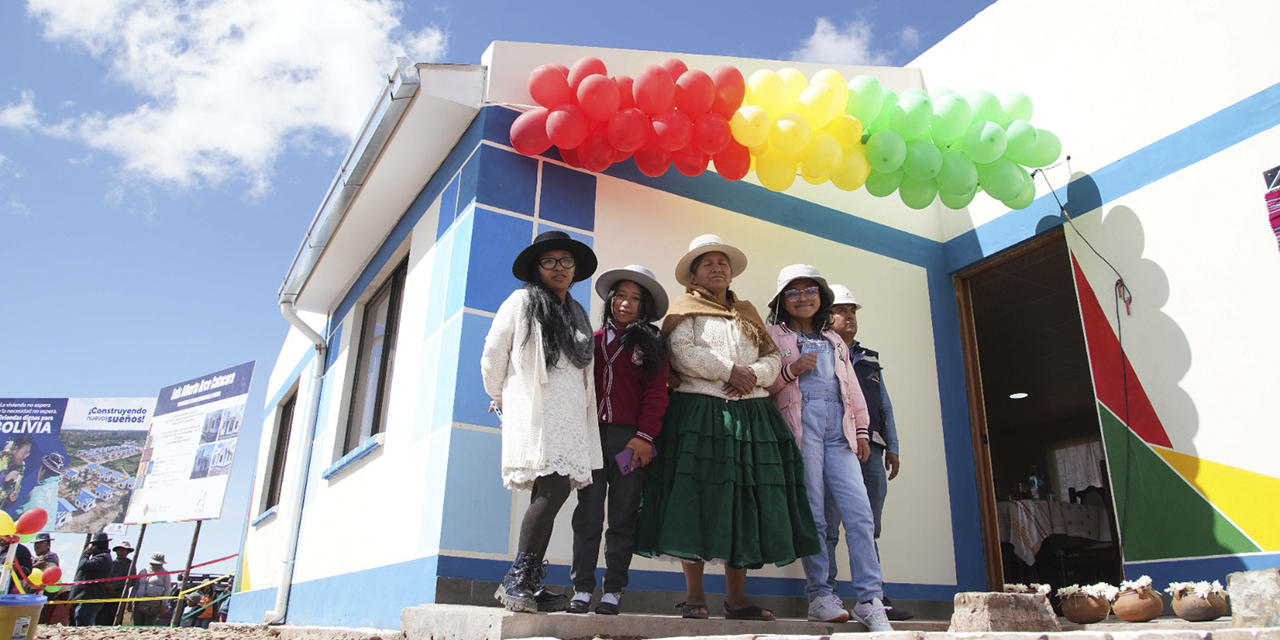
[{"x": 977, "y": 411}]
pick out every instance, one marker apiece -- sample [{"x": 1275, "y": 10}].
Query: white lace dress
[{"x": 549, "y": 420}]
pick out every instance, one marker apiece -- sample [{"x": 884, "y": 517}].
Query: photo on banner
[{"x": 186, "y": 456}]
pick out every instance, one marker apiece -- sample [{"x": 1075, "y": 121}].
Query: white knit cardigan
[{"x": 515, "y": 376}]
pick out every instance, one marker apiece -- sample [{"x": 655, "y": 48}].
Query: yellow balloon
[
  {"x": 823, "y": 155},
  {"x": 846, "y": 129},
  {"x": 759, "y": 149},
  {"x": 36, "y": 577},
  {"x": 818, "y": 105},
  {"x": 812, "y": 179},
  {"x": 750, "y": 125},
  {"x": 834, "y": 79},
  {"x": 795, "y": 83},
  {"x": 790, "y": 133},
  {"x": 7, "y": 528},
  {"x": 853, "y": 172},
  {"x": 775, "y": 170},
  {"x": 767, "y": 90}
]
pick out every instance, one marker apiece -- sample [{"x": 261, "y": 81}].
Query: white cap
[{"x": 843, "y": 296}]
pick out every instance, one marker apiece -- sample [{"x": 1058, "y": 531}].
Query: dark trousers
[
  {"x": 107, "y": 616},
  {"x": 549, "y": 494},
  {"x": 623, "y": 495},
  {"x": 87, "y": 614}
]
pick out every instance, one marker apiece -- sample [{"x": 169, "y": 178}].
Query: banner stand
[{"x": 186, "y": 576}]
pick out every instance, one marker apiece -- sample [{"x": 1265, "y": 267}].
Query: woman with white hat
[
  {"x": 818, "y": 394},
  {"x": 536, "y": 366},
  {"x": 631, "y": 391},
  {"x": 727, "y": 483},
  {"x": 154, "y": 584}
]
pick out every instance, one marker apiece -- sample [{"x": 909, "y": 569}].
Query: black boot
[
  {"x": 549, "y": 601},
  {"x": 518, "y": 587}
]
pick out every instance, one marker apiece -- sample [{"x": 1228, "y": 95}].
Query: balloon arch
[{"x": 779, "y": 124}]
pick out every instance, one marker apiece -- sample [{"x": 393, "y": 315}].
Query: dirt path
[{"x": 59, "y": 632}]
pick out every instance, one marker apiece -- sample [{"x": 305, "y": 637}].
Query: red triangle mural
[{"x": 1106, "y": 359}]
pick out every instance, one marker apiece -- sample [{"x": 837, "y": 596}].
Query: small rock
[
  {"x": 986, "y": 612},
  {"x": 1255, "y": 598}
]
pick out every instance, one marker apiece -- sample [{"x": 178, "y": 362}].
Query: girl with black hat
[
  {"x": 631, "y": 388},
  {"x": 537, "y": 368}
]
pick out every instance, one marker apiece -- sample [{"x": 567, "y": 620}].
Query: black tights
[{"x": 549, "y": 494}]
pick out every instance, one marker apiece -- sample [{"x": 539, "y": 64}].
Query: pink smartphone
[{"x": 624, "y": 460}]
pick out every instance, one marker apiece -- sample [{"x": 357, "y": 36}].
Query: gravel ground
[{"x": 59, "y": 632}]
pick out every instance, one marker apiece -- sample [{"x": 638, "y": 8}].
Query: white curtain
[{"x": 1075, "y": 464}]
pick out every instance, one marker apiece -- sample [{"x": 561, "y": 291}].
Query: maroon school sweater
[{"x": 622, "y": 396}]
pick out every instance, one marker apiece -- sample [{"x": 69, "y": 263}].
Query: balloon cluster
[
  {"x": 781, "y": 124},
  {"x": 668, "y": 114},
  {"x": 24, "y": 530}
]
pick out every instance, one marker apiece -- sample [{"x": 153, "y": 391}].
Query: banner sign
[
  {"x": 76, "y": 458},
  {"x": 187, "y": 456}
]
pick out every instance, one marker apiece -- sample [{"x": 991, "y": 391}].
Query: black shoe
[
  {"x": 518, "y": 587},
  {"x": 893, "y": 613},
  {"x": 607, "y": 609},
  {"x": 579, "y": 606},
  {"x": 550, "y": 601}
]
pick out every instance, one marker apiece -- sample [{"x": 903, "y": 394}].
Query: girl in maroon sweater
[{"x": 631, "y": 395}]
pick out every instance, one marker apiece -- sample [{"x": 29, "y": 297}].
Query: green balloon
[
  {"x": 865, "y": 98},
  {"x": 917, "y": 194},
  {"x": 923, "y": 160},
  {"x": 886, "y": 110},
  {"x": 1021, "y": 137},
  {"x": 984, "y": 142},
  {"x": 53, "y": 588},
  {"x": 1026, "y": 196},
  {"x": 1015, "y": 106},
  {"x": 951, "y": 115},
  {"x": 912, "y": 116},
  {"x": 882, "y": 184},
  {"x": 986, "y": 106},
  {"x": 1001, "y": 179},
  {"x": 958, "y": 174},
  {"x": 886, "y": 151},
  {"x": 1048, "y": 148},
  {"x": 953, "y": 201}
]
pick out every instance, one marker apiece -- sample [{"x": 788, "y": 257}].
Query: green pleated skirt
[{"x": 726, "y": 483}]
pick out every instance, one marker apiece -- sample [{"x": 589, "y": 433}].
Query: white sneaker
[
  {"x": 872, "y": 614},
  {"x": 828, "y": 608}
]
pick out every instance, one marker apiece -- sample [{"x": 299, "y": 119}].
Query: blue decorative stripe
[{"x": 367, "y": 447}]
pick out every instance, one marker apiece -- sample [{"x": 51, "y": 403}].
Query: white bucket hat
[
  {"x": 640, "y": 275},
  {"x": 794, "y": 272},
  {"x": 705, "y": 244},
  {"x": 843, "y": 296}
]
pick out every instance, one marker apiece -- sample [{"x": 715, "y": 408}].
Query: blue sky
[{"x": 160, "y": 162}]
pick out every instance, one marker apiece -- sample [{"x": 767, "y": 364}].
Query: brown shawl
[{"x": 698, "y": 301}]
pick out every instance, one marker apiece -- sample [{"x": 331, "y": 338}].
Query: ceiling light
[{"x": 1018, "y": 396}]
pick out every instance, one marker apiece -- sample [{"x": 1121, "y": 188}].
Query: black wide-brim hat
[{"x": 584, "y": 258}]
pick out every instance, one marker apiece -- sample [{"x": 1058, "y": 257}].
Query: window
[
  {"x": 275, "y": 474},
  {"x": 374, "y": 361}
]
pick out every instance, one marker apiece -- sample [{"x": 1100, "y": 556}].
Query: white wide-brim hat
[
  {"x": 794, "y": 272},
  {"x": 706, "y": 244},
  {"x": 640, "y": 275},
  {"x": 842, "y": 295}
]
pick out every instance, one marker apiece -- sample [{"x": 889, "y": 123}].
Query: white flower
[
  {"x": 1015, "y": 587},
  {"x": 1069, "y": 590},
  {"x": 1042, "y": 589},
  {"x": 1136, "y": 585},
  {"x": 1101, "y": 590}
]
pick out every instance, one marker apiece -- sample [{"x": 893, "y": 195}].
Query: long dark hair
[
  {"x": 558, "y": 323},
  {"x": 643, "y": 333},
  {"x": 778, "y": 313}
]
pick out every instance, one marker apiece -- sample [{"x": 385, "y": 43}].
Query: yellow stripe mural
[{"x": 1249, "y": 499}]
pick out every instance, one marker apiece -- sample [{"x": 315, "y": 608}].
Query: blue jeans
[
  {"x": 833, "y": 478},
  {"x": 877, "y": 482},
  {"x": 87, "y": 613}
]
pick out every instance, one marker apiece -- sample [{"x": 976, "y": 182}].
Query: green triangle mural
[{"x": 1161, "y": 516}]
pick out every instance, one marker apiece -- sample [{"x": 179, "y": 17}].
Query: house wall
[{"x": 1169, "y": 116}]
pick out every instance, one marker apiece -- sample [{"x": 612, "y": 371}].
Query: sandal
[
  {"x": 749, "y": 612},
  {"x": 694, "y": 610}
]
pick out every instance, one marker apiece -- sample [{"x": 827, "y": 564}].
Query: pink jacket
[{"x": 785, "y": 391}]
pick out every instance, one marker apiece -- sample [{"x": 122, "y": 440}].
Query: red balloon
[
  {"x": 734, "y": 162},
  {"x": 711, "y": 133},
  {"x": 595, "y": 153},
  {"x": 549, "y": 86},
  {"x": 51, "y": 575},
  {"x": 675, "y": 68},
  {"x": 570, "y": 157},
  {"x": 563, "y": 69},
  {"x": 599, "y": 97},
  {"x": 689, "y": 161},
  {"x": 567, "y": 126},
  {"x": 654, "y": 90},
  {"x": 629, "y": 129},
  {"x": 31, "y": 521},
  {"x": 672, "y": 130},
  {"x": 652, "y": 162},
  {"x": 621, "y": 157},
  {"x": 695, "y": 91},
  {"x": 585, "y": 66},
  {"x": 730, "y": 90},
  {"x": 529, "y": 132},
  {"x": 624, "y": 91}
]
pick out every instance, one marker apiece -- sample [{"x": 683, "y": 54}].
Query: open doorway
[{"x": 1047, "y": 511}]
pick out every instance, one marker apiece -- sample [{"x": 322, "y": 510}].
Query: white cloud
[
  {"x": 16, "y": 206},
  {"x": 20, "y": 115},
  {"x": 226, "y": 85},
  {"x": 852, "y": 44}
]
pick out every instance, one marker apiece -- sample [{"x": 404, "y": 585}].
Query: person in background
[
  {"x": 13, "y": 467},
  {"x": 631, "y": 392},
  {"x": 884, "y": 430},
  {"x": 95, "y": 564},
  {"x": 205, "y": 601},
  {"x": 43, "y": 547},
  {"x": 119, "y": 569},
  {"x": 536, "y": 367},
  {"x": 22, "y": 560},
  {"x": 148, "y": 613}
]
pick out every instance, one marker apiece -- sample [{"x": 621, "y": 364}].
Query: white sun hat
[
  {"x": 793, "y": 272},
  {"x": 705, "y": 244}
]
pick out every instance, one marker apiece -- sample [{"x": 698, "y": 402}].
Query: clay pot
[
  {"x": 1193, "y": 608},
  {"x": 1085, "y": 609},
  {"x": 1138, "y": 606}
]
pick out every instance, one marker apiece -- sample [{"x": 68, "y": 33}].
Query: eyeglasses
[
  {"x": 550, "y": 263},
  {"x": 794, "y": 295}
]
